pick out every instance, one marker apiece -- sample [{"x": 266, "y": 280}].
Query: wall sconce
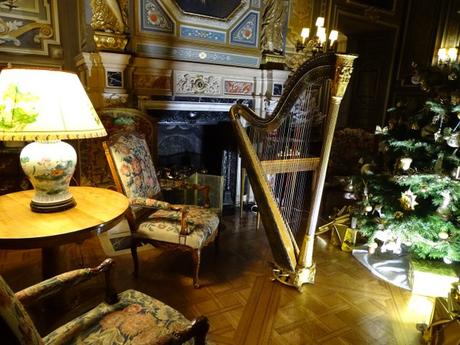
[
  {"x": 447, "y": 56},
  {"x": 318, "y": 43}
]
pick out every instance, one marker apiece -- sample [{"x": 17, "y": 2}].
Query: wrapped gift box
[
  {"x": 444, "y": 328},
  {"x": 431, "y": 278}
]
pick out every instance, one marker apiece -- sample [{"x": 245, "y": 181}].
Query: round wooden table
[{"x": 97, "y": 210}]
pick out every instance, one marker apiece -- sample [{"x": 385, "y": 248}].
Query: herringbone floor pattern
[{"x": 346, "y": 305}]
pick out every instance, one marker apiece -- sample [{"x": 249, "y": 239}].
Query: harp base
[{"x": 302, "y": 275}]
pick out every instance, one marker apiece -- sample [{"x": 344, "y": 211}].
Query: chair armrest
[
  {"x": 150, "y": 202},
  {"x": 55, "y": 284},
  {"x": 197, "y": 330},
  {"x": 162, "y": 205}
]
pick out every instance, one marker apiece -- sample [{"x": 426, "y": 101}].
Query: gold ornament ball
[{"x": 368, "y": 208}]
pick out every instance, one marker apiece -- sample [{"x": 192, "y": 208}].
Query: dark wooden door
[{"x": 371, "y": 78}]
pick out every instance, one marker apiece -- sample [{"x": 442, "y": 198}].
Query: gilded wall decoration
[
  {"x": 197, "y": 84},
  {"x": 301, "y": 16},
  {"x": 271, "y": 35},
  {"x": 32, "y": 27},
  {"x": 110, "y": 16}
]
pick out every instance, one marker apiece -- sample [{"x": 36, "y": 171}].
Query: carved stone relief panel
[
  {"x": 197, "y": 84},
  {"x": 30, "y": 27}
]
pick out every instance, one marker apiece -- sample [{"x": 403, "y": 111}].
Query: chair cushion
[
  {"x": 135, "y": 319},
  {"x": 164, "y": 225}
]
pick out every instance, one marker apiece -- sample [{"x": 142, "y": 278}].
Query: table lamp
[{"x": 45, "y": 106}]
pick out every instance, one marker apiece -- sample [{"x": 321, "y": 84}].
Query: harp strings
[{"x": 288, "y": 143}]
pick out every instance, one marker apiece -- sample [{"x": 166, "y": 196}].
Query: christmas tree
[{"x": 410, "y": 194}]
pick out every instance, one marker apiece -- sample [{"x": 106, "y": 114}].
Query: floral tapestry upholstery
[
  {"x": 133, "y": 162},
  {"x": 52, "y": 285},
  {"x": 164, "y": 225},
  {"x": 16, "y": 318},
  {"x": 136, "y": 319},
  {"x": 94, "y": 170}
]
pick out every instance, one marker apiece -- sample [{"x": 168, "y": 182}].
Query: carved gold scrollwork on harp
[{"x": 280, "y": 149}]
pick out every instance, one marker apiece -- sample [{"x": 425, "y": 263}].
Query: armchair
[
  {"x": 130, "y": 317},
  {"x": 94, "y": 170},
  {"x": 152, "y": 220}
]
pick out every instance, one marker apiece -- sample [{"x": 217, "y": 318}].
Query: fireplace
[{"x": 200, "y": 140}]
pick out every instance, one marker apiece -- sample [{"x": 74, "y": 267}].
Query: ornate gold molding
[
  {"x": 344, "y": 68},
  {"x": 110, "y": 41},
  {"x": 110, "y": 24}
]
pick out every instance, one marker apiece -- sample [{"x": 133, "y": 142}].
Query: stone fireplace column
[{"x": 103, "y": 75}]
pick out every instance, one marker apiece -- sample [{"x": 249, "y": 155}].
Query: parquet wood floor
[{"x": 346, "y": 305}]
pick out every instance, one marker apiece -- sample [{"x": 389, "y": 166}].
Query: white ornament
[
  {"x": 443, "y": 235},
  {"x": 447, "y": 260}
]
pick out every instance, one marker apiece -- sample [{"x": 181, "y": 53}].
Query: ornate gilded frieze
[
  {"x": 31, "y": 27},
  {"x": 197, "y": 84}
]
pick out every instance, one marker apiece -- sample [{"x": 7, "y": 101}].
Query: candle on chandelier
[
  {"x": 452, "y": 54},
  {"x": 304, "y": 34},
  {"x": 334, "y": 34},
  {"x": 321, "y": 33},
  {"x": 319, "y": 22}
]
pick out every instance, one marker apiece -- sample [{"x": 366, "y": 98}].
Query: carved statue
[
  {"x": 110, "y": 16},
  {"x": 271, "y": 40}
]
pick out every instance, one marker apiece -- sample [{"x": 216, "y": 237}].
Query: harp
[{"x": 286, "y": 155}]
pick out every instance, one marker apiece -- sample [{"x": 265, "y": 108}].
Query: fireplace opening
[
  {"x": 197, "y": 147},
  {"x": 197, "y": 142}
]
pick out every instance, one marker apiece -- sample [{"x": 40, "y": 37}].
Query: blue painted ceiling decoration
[
  {"x": 246, "y": 31},
  {"x": 154, "y": 18},
  {"x": 224, "y": 29}
]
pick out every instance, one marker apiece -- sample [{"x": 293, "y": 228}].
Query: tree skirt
[{"x": 393, "y": 268}]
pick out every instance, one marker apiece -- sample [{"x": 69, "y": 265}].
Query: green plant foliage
[{"x": 420, "y": 205}]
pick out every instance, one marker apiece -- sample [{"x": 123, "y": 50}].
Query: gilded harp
[{"x": 286, "y": 156}]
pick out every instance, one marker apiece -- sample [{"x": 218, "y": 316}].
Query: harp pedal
[{"x": 302, "y": 275}]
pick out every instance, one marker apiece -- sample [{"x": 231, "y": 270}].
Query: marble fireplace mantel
[
  {"x": 116, "y": 79},
  {"x": 177, "y": 85}
]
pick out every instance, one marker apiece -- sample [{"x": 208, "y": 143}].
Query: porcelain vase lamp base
[{"x": 49, "y": 165}]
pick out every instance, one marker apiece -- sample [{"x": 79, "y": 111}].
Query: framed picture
[{"x": 209, "y": 8}]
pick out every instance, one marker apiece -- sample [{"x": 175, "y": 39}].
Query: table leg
[{"x": 50, "y": 261}]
